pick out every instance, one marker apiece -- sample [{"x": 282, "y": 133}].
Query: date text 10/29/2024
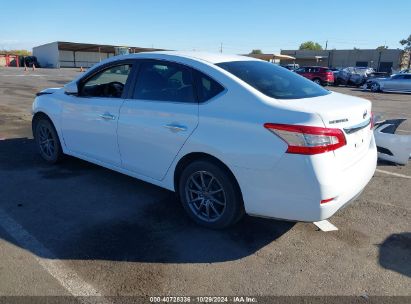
[{"x": 203, "y": 299}]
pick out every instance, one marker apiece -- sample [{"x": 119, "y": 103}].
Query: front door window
[{"x": 107, "y": 83}]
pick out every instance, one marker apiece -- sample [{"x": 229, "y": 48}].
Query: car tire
[
  {"x": 317, "y": 81},
  {"x": 210, "y": 195},
  {"x": 47, "y": 141},
  {"x": 375, "y": 87}
]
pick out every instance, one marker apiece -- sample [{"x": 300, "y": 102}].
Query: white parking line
[
  {"x": 392, "y": 173},
  {"x": 65, "y": 276}
]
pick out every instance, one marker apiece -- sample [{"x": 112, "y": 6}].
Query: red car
[{"x": 320, "y": 75}]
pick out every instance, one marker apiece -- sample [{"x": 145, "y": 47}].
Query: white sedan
[{"x": 229, "y": 134}]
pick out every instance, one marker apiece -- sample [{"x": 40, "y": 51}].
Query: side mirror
[{"x": 71, "y": 88}]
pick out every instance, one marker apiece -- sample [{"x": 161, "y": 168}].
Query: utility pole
[
  {"x": 221, "y": 47},
  {"x": 326, "y": 44}
]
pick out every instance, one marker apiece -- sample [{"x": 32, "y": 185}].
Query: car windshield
[{"x": 272, "y": 80}]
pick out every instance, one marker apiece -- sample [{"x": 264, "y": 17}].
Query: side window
[
  {"x": 300, "y": 70},
  {"x": 165, "y": 82},
  {"x": 207, "y": 87},
  {"x": 107, "y": 83}
]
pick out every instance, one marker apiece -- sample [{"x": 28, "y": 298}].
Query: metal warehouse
[
  {"x": 381, "y": 60},
  {"x": 70, "y": 54}
]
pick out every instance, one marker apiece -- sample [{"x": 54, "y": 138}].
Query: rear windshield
[{"x": 272, "y": 80}]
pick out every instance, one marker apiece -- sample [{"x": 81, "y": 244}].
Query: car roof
[{"x": 199, "y": 56}]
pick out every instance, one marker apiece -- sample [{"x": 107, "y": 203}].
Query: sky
[{"x": 205, "y": 25}]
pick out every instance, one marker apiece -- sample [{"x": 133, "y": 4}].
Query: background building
[
  {"x": 380, "y": 60},
  {"x": 70, "y": 54}
]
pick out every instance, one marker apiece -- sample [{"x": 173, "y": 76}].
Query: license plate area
[{"x": 359, "y": 138}]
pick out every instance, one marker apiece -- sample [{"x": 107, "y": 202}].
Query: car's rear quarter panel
[{"x": 231, "y": 128}]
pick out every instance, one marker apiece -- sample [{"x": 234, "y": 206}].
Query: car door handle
[
  {"x": 107, "y": 116},
  {"x": 175, "y": 127}
]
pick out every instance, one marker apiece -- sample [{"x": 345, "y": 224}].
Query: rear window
[{"x": 272, "y": 80}]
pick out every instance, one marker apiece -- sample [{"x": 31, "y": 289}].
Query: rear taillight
[
  {"x": 308, "y": 140},
  {"x": 372, "y": 121},
  {"x": 325, "y": 201}
]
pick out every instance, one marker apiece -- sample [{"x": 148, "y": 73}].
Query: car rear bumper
[{"x": 294, "y": 189}]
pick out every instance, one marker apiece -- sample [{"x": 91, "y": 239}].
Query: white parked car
[{"x": 229, "y": 134}]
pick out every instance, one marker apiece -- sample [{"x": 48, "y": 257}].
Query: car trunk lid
[{"x": 347, "y": 113}]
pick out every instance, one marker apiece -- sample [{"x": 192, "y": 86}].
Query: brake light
[
  {"x": 324, "y": 201},
  {"x": 308, "y": 140},
  {"x": 372, "y": 121}
]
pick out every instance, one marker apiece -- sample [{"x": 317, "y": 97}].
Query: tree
[
  {"x": 256, "y": 52},
  {"x": 311, "y": 45},
  {"x": 406, "y": 43},
  {"x": 382, "y": 47},
  {"x": 16, "y": 52},
  {"x": 407, "y": 48}
]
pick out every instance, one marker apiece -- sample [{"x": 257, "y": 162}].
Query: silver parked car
[{"x": 395, "y": 83}]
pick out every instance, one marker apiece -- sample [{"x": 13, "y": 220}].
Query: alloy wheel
[
  {"x": 205, "y": 196},
  {"x": 46, "y": 141},
  {"x": 375, "y": 87}
]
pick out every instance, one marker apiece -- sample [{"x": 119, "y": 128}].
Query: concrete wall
[
  {"x": 346, "y": 58},
  {"x": 373, "y": 58},
  {"x": 47, "y": 55}
]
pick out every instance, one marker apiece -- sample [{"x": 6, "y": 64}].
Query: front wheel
[
  {"x": 47, "y": 141},
  {"x": 209, "y": 195},
  {"x": 375, "y": 87}
]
